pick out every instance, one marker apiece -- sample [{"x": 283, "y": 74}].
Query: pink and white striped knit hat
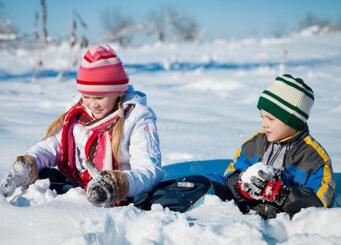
[{"x": 101, "y": 71}]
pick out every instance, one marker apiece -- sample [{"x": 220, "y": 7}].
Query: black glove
[
  {"x": 254, "y": 179},
  {"x": 275, "y": 191}
]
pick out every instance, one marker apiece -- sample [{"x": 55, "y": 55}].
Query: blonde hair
[
  {"x": 117, "y": 130},
  {"x": 57, "y": 124}
]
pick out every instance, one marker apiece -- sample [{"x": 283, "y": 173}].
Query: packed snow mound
[{"x": 70, "y": 219}]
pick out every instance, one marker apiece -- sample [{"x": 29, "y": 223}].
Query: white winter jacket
[{"x": 140, "y": 156}]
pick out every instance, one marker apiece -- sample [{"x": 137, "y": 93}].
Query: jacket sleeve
[
  {"x": 298, "y": 198},
  {"x": 322, "y": 183},
  {"x": 46, "y": 152},
  {"x": 315, "y": 186},
  {"x": 248, "y": 154},
  {"x": 240, "y": 162},
  {"x": 145, "y": 155},
  {"x": 318, "y": 191}
]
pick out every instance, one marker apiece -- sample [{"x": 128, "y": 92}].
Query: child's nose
[{"x": 95, "y": 104}]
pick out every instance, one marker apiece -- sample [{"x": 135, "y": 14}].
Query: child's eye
[{"x": 95, "y": 98}]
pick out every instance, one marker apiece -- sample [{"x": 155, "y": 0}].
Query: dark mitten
[
  {"x": 23, "y": 173},
  {"x": 253, "y": 180},
  {"x": 275, "y": 191},
  {"x": 266, "y": 210},
  {"x": 232, "y": 186},
  {"x": 108, "y": 187}
]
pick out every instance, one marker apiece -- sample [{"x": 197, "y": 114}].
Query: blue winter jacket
[{"x": 306, "y": 168}]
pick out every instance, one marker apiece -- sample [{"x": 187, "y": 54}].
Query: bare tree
[
  {"x": 312, "y": 20},
  {"x": 186, "y": 29},
  {"x": 8, "y": 31},
  {"x": 118, "y": 28},
  {"x": 156, "y": 26},
  {"x": 278, "y": 29},
  {"x": 80, "y": 19},
  {"x": 160, "y": 23},
  {"x": 84, "y": 41},
  {"x": 169, "y": 24},
  {"x": 321, "y": 24},
  {"x": 73, "y": 35},
  {"x": 35, "y": 28},
  {"x": 44, "y": 19},
  {"x": 285, "y": 52}
]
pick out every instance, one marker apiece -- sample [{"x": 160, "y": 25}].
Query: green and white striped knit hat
[{"x": 289, "y": 99}]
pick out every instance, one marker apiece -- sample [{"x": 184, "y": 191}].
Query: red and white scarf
[{"x": 97, "y": 147}]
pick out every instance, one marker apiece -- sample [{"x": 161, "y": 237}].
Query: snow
[
  {"x": 205, "y": 96},
  {"x": 254, "y": 171}
]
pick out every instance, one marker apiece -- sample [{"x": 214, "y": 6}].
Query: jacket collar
[{"x": 294, "y": 138}]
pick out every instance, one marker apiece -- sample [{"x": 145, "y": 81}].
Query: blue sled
[{"x": 214, "y": 169}]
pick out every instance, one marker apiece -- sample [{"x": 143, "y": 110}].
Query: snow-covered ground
[{"x": 205, "y": 97}]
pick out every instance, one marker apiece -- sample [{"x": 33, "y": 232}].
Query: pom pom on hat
[
  {"x": 101, "y": 71},
  {"x": 289, "y": 99}
]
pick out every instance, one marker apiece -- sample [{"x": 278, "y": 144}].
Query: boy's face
[{"x": 274, "y": 128}]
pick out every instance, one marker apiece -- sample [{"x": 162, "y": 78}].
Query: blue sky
[{"x": 218, "y": 18}]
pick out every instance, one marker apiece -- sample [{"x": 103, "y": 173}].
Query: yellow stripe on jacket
[
  {"x": 326, "y": 191},
  {"x": 231, "y": 168}
]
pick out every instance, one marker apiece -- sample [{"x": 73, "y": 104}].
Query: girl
[{"x": 107, "y": 143}]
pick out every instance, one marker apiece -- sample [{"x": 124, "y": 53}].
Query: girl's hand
[
  {"x": 23, "y": 173},
  {"x": 107, "y": 187}
]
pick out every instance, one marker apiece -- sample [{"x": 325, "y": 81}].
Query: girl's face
[
  {"x": 100, "y": 105},
  {"x": 274, "y": 128}
]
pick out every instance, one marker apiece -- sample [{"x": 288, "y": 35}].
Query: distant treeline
[{"x": 167, "y": 24}]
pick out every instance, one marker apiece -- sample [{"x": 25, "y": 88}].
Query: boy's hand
[
  {"x": 253, "y": 180},
  {"x": 274, "y": 191},
  {"x": 260, "y": 182}
]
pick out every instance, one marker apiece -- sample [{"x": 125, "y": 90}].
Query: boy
[{"x": 282, "y": 168}]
